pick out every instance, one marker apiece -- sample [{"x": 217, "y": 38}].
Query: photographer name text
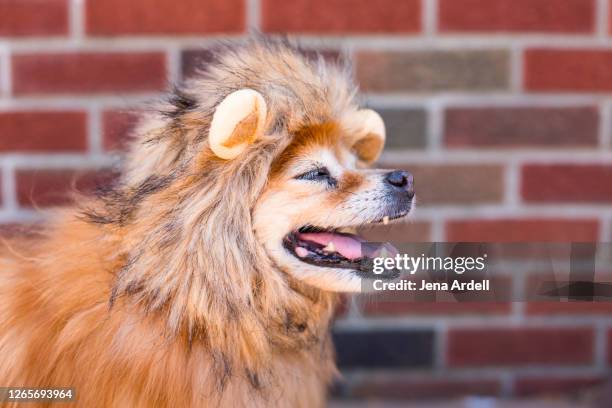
[{"x": 426, "y": 286}]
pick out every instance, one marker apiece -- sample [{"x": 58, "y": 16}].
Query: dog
[{"x": 208, "y": 274}]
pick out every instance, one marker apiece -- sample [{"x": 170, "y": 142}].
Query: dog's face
[
  {"x": 319, "y": 189},
  {"x": 317, "y": 192}
]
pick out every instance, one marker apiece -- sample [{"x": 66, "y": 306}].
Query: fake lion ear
[
  {"x": 368, "y": 136},
  {"x": 237, "y": 122}
]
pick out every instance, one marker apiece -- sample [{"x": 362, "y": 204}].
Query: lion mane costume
[{"x": 157, "y": 292}]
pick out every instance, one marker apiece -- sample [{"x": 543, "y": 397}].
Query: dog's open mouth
[{"x": 336, "y": 248}]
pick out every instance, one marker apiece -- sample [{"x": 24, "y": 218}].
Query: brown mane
[{"x": 157, "y": 292}]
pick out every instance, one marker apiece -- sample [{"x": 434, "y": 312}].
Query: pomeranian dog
[{"x": 206, "y": 276}]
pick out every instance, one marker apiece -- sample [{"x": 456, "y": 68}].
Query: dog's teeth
[
  {"x": 348, "y": 230},
  {"x": 301, "y": 252},
  {"x": 385, "y": 219},
  {"x": 330, "y": 247}
]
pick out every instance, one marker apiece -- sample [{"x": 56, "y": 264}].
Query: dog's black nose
[{"x": 402, "y": 180}]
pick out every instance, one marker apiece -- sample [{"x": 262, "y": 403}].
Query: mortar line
[
  {"x": 512, "y": 184},
  {"x": 488, "y": 99},
  {"x": 605, "y": 126},
  {"x": 388, "y": 42},
  {"x": 381, "y": 100},
  {"x": 516, "y": 69},
  {"x": 94, "y": 130},
  {"x": 487, "y": 156},
  {"x": 9, "y": 195},
  {"x": 173, "y": 62},
  {"x": 601, "y": 21},
  {"x": 440, "y": 346},
  {"x": 496, "y": 321},
  {"x": 435, "y": 125},
  {"x": 437, "y": 229},
  {"x": 606, "y": 228},
  {"x": 253, "y": 15},
  {"x": 600, "y": 348},
  {"x": 5, "y": 72},
  {"x": 76, "y": 19},
  {"x": 429, "y": 17}
]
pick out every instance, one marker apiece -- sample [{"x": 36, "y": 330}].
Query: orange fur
[
  {"x": 159, "y": 293},
  {"x": 58, "y": 330},
  {"x": 306, "y": 139}
]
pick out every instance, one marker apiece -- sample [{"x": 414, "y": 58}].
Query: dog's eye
[{"x": 318, "y": 174}]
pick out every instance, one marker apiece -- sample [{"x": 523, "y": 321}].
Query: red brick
[
  {"x": 556, "y": 16},
  {"x": 406, "y": 128},
  {"x": 580, "y": 70},
  {"x": 527, "y": 386},
  {"x": 413, "y": 231},
  {"x": 454, "y": 184},
  {"x": 521, "y": 127},
  {"x": 399, "y": 387},
  {"x": 117, "y": 126},
  {"x": 141, "y": 17},
  {"x": 566, "y": 183},
  {"x": 511, "y": 347},
  {"x": 43, "y": 131},
  {"x": 341, "y": 16},
  {"x": 33, "y": 17},
  {"x": 52, "y": 187},
  {"x": 88, "y": 73},
  {"x": 568, "y": 308},
  {"x": 433, "y": 70},
  {"x": 523, "y": 230}
]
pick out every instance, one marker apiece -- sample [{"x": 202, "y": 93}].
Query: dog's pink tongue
[{"x": 347, "y": 245}]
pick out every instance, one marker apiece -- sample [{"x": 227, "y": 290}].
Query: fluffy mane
[{"x": 171, "y": 245}]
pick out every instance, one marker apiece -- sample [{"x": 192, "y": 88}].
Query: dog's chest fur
[{"x": 57, "y": 330}]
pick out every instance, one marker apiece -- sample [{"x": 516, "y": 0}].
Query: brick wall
[{"x": 501, "y": 108}]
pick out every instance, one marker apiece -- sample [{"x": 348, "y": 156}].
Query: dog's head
[
  {"x": 255, "y": 170},
  {"x": 230, "y": 217},
  {"x": 319, "y": 187}
]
